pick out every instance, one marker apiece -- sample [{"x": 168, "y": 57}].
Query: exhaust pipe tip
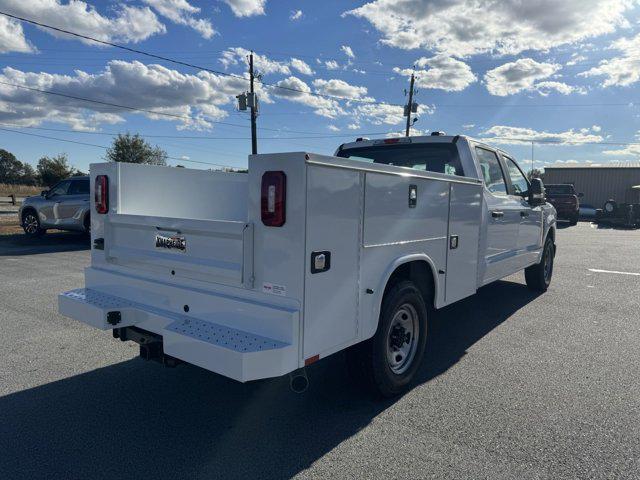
[{"x": 298, "y": 381}]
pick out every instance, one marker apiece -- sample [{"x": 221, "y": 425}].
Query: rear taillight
[
  {"x": 102, "y": 194},
  {"x": 273, "y": 198}
]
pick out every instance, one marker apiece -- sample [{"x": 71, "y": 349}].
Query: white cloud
[
  {"x": 301, "y": 66},
  {"x": 296, "y": 90},
  {"x": 346, "y": 49},
  {"x": 415, "y": 132},
  {"x": 12, "y": 37},
  {"x": 353, "y": 126},
  {"x": 150, "y": 87},
  {"x": 468, "y": 126},
  {"x": 333, "y": 128},
  {"x": 246, "y": 8},
  {"x": 296, "y": 15},
  {"x": 239, "y": 55},
  {"x": 575, "y": 59},
  {"x": 516, "y": 135},
  {"x": 385, "y": 114},
  {"x": 339, "y": 88},
  {"x": 627, "y": 151},
  {"x": 518, "y": 76},
  {"x": 461, "y": 28},
  {"x": 620, "y": 71},
  {"x": 181, "y": 12},
  {"x": 331, "y": 65},
  {"x": 442, "y": 72},
  {"x": 129, "y": 24},
  {"x": 545, "y": 88}
]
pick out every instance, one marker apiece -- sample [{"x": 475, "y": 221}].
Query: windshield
[
  {"x": 559, "y": 189},
  {"x": 430, "y": 157}
]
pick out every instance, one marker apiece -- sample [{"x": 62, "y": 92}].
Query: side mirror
[
  {"x": 536, "y": 193},
  {"x": 44, "y": 193},
  {"x": 580, "y": 195}
]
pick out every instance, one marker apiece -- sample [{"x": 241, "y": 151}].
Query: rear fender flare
[{"x": 369, "y": 329}]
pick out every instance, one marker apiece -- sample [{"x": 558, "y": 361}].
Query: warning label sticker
[{"x": 274, "y": 289}]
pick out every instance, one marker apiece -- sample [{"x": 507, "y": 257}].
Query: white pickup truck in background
[{"x": 257, "y": 275}]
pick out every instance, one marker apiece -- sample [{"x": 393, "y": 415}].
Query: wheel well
[
  {"x": 420, "y": 273},
  {"x": 552, "y": 234},
  {"x": 27, "y": 210}
]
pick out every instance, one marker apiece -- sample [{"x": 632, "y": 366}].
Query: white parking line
[{"x": 596, "y": 270}]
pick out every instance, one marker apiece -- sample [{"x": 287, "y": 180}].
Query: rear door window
[
  {"x": 492, "y": 173},
  {"x": 79, "y": 187}
]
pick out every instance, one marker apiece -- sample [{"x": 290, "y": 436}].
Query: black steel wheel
[{"x": 388, "y": 362}]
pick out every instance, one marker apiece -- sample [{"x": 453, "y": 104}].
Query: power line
[
  {"x": 110, "y": 104},
  {"x": 153, "y": 112},
  {"x": 353, "y": 134},
  {"x": 291, "y": 89},
  {"x": 190, "y": 65},
  {"x": 559, "y": 142},
  {"x": 198, "y": 137},
  {"x": 106, "y": 148}
]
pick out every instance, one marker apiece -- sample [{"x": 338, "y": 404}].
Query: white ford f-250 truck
[{"x": 257, "y": 275}]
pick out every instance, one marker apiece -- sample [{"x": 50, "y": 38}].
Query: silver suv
[{"x": 65, "y": 206}]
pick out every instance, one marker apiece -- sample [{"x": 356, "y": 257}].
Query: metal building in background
[{"x": 599, "y": 181}]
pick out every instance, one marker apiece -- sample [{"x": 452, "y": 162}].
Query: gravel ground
[{"x": 515, "y": 385}]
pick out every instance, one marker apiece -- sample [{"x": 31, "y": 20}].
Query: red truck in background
[{"x": 565, "y": 200}]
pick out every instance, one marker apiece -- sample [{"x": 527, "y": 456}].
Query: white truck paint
[{"x": 241, "y": 299}]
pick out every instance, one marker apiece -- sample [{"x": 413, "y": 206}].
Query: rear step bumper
[{"x": 231, "y": 352}]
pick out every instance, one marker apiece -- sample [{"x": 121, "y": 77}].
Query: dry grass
[
  {"x": 19, "y": 190},
  {"x": 9, "y": 224}
]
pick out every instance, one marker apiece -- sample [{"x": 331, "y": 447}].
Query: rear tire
[
  {"x": 538, "y": 276},
  {"x": 31, "y": 224},
  {"x": 574, "y": 220},
  {"x": 86, "y": 223},
  {"x": 388, "y": 362}
]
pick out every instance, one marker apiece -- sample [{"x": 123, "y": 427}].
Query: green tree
[
  {"x": 29, "y": 175},
  {"x": 53, "y": 169},
  {"x": 135, "y": 149},
  {"x": 10, "y": 167},
  {"x": 14, "y": 171}
]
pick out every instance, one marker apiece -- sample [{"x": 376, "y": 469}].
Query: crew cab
[
  {"x": 256, "y": 275},
  {"x": 565, "y": 200}
]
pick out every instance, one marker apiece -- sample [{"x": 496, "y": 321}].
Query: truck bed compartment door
[
  {"x": 462, "y": 250},
  {"x": 205, "y": 250},
  {"x": 334, "y": 215}
]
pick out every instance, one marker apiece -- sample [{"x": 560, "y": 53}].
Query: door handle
[
  {"x": 524, "y": 213},
  {"x": 497, "y": 214}
]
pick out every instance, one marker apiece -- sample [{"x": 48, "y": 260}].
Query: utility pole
[
  {"x": 409, "y": 106},
  {"x": 254, "y": 109}
]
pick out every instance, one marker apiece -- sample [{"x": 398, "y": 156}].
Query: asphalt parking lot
[{"x": 515, "y": 385}]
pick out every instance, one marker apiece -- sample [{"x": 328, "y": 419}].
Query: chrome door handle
[{"x": 497, "y": 214}]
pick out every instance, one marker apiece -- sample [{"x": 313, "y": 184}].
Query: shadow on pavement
[
  {"x": 51, "y": 242},
  {"x": 137, "y": 420}
]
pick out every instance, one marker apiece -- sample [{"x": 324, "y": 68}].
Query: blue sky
[{"x": 564, "y": 72}]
